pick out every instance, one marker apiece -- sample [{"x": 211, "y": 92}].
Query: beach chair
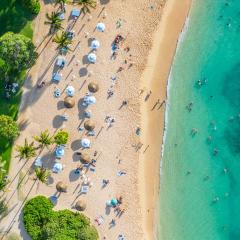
[
  {"x": 75, "y": 13},
  {"x": 121, "y": 237},
  {"x": 99, "y": 220},
  {"x": 84, "y": 189}
]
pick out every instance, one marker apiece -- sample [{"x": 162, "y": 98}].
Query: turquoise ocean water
[{"x": 200, "y": 181}]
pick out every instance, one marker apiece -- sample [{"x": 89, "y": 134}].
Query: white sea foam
[{"x": 180, "y": 40}]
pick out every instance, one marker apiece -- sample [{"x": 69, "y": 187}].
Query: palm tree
[
  {"x": 44, "y": 139},
  {"x": 62, "y": 40},
  {"x": 42, "y": 174},
  {"x": 26, "y": 151},
  {"x": 54, "y": 21},
  {"x": 62, "y": 4},
  {"x": 86, "y": 5}
]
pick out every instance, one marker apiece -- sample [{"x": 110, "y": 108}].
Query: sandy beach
[
  {"x": 155, "y": 77},
  {"x": 145, "y": 25}
]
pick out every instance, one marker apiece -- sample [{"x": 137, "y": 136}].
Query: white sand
[{"x": 40, "y": 111}]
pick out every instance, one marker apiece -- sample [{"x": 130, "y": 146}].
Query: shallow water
[{"x": 200, "y": 182}]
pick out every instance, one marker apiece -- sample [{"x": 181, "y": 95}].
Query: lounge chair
[
  {"x": 84, "y": 189},
  {"x": 99, "y": 220}
]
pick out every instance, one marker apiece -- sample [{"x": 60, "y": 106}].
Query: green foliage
[
  {"x": 54, "y": 21},
  {"x": 33, "y": 6},
  {"x": 62, "y": 40},
  {"x": 26, "y": 151},
  {"x": 61, "y": 138},
  {"x": 36, "y": 213},
  {"x": 8, "y": 128},
  {"x": 17, "y": 51},
  {"x": 44, "y": 139},
  {"x": 86, "y": 5},
  {"x": 16, "y": 18},
  {"x": 42, "y": 174},
  {"x": 42, "y": 223}
]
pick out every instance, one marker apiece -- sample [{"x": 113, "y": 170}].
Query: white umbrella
[
  {"x": 85, "y": 143},
  {"x": 92, "y": 58},
  {"x": 70, "y": 91},
  {"x": 95, "y": 44},
  {"x": 59, "y": 151},
  {"x": 89, "y": 100},
  {"x": 57, "y": 168},
  {"x": 100, "y": 27}
]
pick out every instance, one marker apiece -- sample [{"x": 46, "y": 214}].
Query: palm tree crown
[
  {"x": 42, "y": 174},
  {"x": 87, "y": 4},
  {"x": 26, "y": 151},
  {"x": 62, "y": 40},
  {"x": 44, "y": 139},
  {"x": 54, "y": 20}
]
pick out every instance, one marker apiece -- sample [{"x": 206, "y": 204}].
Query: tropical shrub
[
  {"x": 17, "y": 53},
  {"x": 8, "y": 128},
  {"x": 26, "y": 151},
  {"x": 61, "y": 138},
  {"x": 33, "y": 6},
  {"x": 42, "y": 223}
]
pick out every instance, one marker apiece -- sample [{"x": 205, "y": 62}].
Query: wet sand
[{"x": 155, "y": 79}]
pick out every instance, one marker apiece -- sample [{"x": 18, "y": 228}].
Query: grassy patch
[{"x": 16, "y": 18}]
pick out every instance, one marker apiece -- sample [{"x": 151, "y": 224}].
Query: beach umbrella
[
  {"x": 85, "y": 158},
  {"x": 70, "y": 91},
  {"x": 95, "y": 44},
  {"x": 85, "y": 143},
  {"x": 69, "y": 102},
  {"x": 89, "y": 100},
  {"x": 57, "y": 168},
  {"x": 80, "y": 205},
  {"x": 61, "y": 187},
  {"x": 114, "y": 202},
  {"x": 59, "y": 152},
  {"x": 93, "y": 87},
  {"x": 89, "y": 125},
  {"x": 100, "y": 27},
  {"x": 92, "y": 58},
  {"x": 108, "y": 203}
]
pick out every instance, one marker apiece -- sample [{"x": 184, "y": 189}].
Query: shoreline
[{"x": 161, "y": 54}]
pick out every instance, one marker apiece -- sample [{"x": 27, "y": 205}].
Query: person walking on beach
[{"x": 148, "y": 95}]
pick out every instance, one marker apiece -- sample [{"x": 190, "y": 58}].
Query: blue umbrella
[
  {"x": 114, "y": 202},
  {"x": 59, "y": 152},
  {"x": 95, "y": 44},
  {"x": 101, "y": 27},
  {"x": 70, "y": 91},
  {"x": 92, "y": 58},
  {"x": 57, "y": 167}
]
